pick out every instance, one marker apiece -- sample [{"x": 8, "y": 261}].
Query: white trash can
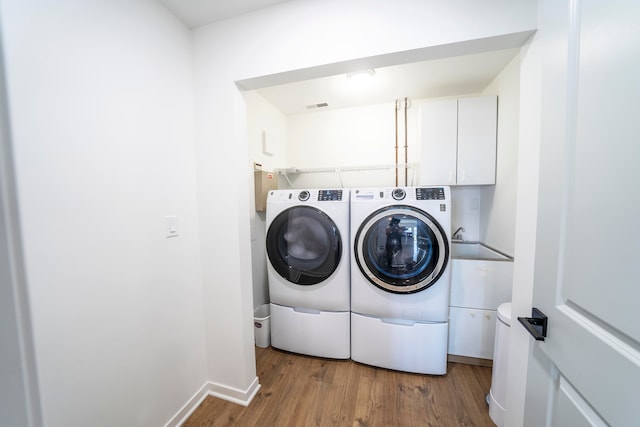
[
  {"x": 497, "y": 394},
  {"x": 262, "y": 326}
]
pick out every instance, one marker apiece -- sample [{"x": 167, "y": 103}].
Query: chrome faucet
[{"x": 457, "y": 235}]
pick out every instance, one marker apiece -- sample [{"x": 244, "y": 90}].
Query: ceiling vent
[{"x": 312, "y": 106}]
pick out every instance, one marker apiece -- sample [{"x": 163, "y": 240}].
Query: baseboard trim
[
  {"x": 188, "y": 408},
  {"x": 231, "y": 394},
  {"x": 241, "y": 397},
  {"x": 470, "y": 360}
]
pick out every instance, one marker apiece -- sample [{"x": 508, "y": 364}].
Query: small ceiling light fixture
[
  {"x": 320, "y": 105},
  {"x": 361, "y": 75}
]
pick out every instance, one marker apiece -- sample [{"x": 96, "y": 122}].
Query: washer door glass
[
  {"x": 304, "y": 245},
  {"x": 401, "y": 249}
]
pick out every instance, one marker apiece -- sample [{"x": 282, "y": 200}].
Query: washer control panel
[
  {"x": 329, "y": 195},
  {"x": 430, "y": 193}
]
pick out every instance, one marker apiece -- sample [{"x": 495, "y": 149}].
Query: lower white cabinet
[
  {"x": 472, "y": 332},
  {"x": 478, "y": 287}
]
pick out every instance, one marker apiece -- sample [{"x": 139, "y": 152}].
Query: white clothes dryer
[
  {"x": 308, "y": 271},
  {"x": 400, "y": 277}
]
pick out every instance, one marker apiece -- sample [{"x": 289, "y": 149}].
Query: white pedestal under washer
[
  {"x": 400, "y": 277},
  {"x": 308, "y": 271}
]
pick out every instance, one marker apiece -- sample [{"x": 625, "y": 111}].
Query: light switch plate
[
  {"x": 171, "y": 223},
  {"x": 267, "y": 144}
]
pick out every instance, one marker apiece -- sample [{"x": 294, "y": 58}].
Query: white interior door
[{"x": 587, "y": 269}]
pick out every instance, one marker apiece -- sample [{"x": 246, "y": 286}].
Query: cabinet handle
[
  {"x": 450, "y": 177},
  {"x": 464, "y": 176}
]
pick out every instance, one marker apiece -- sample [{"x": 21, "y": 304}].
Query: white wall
[
  {"x": 313, "y": 38},
  {"x": 268, "y": 123},
  {"x": 465, "y": 211},
  {"x": 359, "y": 137},
  {"x": 526, "y": 223},
  {"x": 102, "y": 113},
  {"x": 498, "y": 210},
  {"x": 267, "y": 138}
]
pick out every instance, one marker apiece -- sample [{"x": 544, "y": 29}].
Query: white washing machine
[
  {"x": 308, "y": 271},
  {"x": 400, "y": 277}
]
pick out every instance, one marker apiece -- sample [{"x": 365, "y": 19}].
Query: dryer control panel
[
  {"x": 329, "y": 195},
  {"x": 430, "y": 193}
]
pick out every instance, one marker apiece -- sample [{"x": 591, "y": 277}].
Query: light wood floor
[{"x": 308, "y": 391}]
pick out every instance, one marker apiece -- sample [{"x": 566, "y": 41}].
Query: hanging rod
[{"x": 344, "y": 168}]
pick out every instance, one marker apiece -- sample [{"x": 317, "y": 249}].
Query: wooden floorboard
[{"x": 301, "y": 390}]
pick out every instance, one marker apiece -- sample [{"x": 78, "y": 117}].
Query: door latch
[{"x": 536, "y": 325}]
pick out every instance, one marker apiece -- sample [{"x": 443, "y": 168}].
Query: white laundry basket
[
  {"x": 497, "y": 394},
  {"x": 262, "y": 326}
]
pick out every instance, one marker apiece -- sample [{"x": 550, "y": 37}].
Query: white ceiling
[
  {"x": 199, "y": 12},
  {"x": 450, "y": 76}
]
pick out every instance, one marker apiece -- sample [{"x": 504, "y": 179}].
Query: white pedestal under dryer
[
  {"x": 308, "y": 271},
  {"x": 400, "y": 277}
]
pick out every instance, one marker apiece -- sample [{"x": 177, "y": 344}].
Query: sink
[{"x": 477, "y": 250}]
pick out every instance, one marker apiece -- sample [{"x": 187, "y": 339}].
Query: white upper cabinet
[
  {"x": 438, "y": 142},
  {"x": 458, "y": 141},
  {"x": 477, "y": 126}
]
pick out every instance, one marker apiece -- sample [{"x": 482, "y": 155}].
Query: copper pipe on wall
[
  {"x": 406, "y": 146},
  {"x": 397, "y": 108}
]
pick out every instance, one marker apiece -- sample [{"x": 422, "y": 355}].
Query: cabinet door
[
  {"x": 438, "y": 135},
  {"x": 480, "y": 284},
  {"x": 472, "y": 332},
  {"x": 477, "y": 121}
]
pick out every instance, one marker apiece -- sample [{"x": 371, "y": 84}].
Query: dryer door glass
[
  {"x": 304, "y": 245},
  {"x": 401, "y": 249}
]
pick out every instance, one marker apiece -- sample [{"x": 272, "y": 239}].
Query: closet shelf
[
  {"x": 292, "y": 170},
  {"x": 338, "y": 170}
]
